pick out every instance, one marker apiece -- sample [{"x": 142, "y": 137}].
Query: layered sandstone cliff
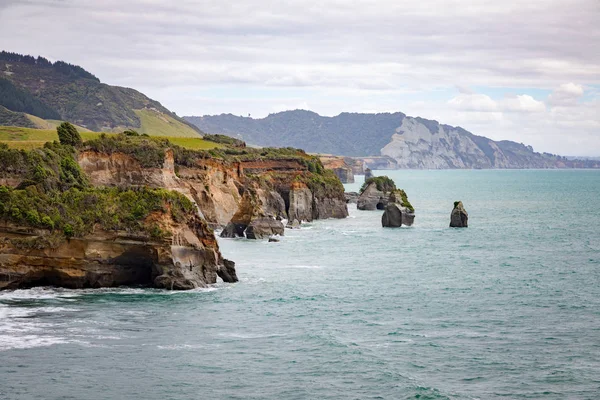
[
  {"x": 225, "y": 192},
  {"x": 187, "y": 257}
]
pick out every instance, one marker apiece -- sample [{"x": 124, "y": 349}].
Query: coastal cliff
[
  {"x": 123, "y": 210},
  {"x": 231, "y": 185},
  {"x": 60, "y": 226}
]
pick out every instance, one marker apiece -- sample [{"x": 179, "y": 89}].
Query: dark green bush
[
  {"x": 67, "y": 134},
  {"x": 383, "y": 183},
  {"x": 224, "y": 139}
]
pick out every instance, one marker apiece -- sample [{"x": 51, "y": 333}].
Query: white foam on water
[
  {"x": 8, "y": 342},
  {"x": 181, "y": 346},
  {"x": 38, "y": 293},
  {"x": 238, "y": 335}
]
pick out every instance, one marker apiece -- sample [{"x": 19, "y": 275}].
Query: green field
[
  {"x": 155, "y": 123},
  {"x": 29, "y": 138}
]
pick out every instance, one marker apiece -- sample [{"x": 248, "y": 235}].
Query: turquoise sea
[{"x": 344, "y": 309}]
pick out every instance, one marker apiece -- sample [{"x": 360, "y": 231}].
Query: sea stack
[
  {"x": 398, "y": 211},
  {"x": 459, "y": 217}
]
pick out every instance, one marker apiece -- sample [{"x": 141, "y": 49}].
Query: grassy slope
[
  {"x": 159, "y": 124},
  {"x": 28, "y": 138}
]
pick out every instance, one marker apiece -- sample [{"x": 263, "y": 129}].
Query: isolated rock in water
[
  {"x": 395, "y": 215},
  {"x": 351, "y": 197},
  {"x": 459, "y": 217},
  {"x": 295, "y": 224},
  {"x": 368, "y": 173},
  {"x": 264, "y": 227},
  {"x": 273, "y": 240},
  {"x": 227, "y": 271}
]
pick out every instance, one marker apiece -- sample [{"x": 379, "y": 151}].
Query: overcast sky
[{"x": 527, "y": 71}]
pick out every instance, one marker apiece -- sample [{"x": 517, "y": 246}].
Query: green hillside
[{"x": 62, "y": 91}]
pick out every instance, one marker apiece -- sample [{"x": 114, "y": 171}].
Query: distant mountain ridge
[
  {"x": 62, "y": 91},
  {"x": 406, "y": 142}
]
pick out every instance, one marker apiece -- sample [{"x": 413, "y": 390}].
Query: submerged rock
[
  {"x": 264, "y": 227},
  {"x": 295, "y": 224},
  {"x": 459, "y": 217},
  {"x": 273, "y": 240}
]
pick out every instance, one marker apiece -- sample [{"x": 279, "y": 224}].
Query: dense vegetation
[
  {"x": 55, "y": 195},
  {"x": 67, "y": 134},
  {"x": 18, "y": 100},
  {"x": 224, "y": 139},
  {"x": 150, "y": 151}
]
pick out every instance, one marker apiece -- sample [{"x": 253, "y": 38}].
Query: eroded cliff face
[
  {"x": 225, "y": 192},
  {"x": 419, "y": 143},
  {"x": 340, "y": 167},
  {"x": 186, "y": 257}
]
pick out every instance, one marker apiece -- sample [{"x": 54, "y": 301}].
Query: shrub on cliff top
[
  {"x": 52, "y": 167},
  {"x": 224, "y": 139},
  {"x": 383, "y": 183},
  {"x": 76, "y": 212},
  {"x": 67, "y": 134},
  {"x": 150, "y": 152},
  {"x": 55, "y": 194}
]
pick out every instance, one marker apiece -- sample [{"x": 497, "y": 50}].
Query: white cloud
[
  {"x": 566, "y": 94},
  {"x": 523, "y": 103},
  {"x": 473, "y": 102}
]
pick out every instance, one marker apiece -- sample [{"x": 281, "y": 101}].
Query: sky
[{"x": 527, "y": 71}]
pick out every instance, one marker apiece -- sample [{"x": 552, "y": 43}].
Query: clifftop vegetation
[
  {"x": 55, "y": 195},
  {"x": 383, "y": 183}
]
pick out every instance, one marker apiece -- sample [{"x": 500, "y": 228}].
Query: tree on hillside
[{"x": 67, "y": 134}]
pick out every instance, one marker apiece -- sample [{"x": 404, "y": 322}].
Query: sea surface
[{"x": 344, "y": 309}]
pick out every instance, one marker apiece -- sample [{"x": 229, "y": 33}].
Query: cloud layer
[{"x": 519, "y": 65}]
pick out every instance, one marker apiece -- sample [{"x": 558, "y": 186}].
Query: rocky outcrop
[
  {"x": 368, "y": 173},
  {"x": 372, "y": 198},
  {"x": 459, "y": 217},
  {"x": 188, "y": 257},
  {"x": 395, "y": 215},
  {"x": 351, "y": 197},
  {"x": 264, "y": 227},
  {"x": 339, "y": 166}
]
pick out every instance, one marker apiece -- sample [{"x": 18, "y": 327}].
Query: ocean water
[{"x": 344, "y": 309}]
